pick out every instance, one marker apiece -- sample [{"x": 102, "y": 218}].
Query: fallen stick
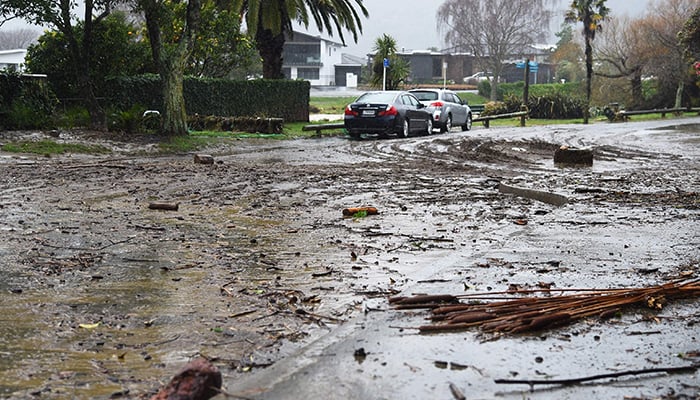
[{"x": 573, "y": 381}]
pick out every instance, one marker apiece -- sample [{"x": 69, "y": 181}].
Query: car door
[
  {"x": 414, "y": 112},
  {"x": 459, "y": 112}
]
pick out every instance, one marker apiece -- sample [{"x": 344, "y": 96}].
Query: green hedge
[
  {"x": 26, "y": 102},
  {"x": 264, "y": 98}
]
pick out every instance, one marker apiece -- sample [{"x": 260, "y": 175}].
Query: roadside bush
[
  {"x": 128, "y": 121},
  {"x": 510, "y": 105},
  {"x": 72, "y": 117},
  {"x": 25, "y": 102},
  {"x": 556, "y": 106}
]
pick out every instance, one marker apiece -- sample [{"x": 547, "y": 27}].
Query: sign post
[
  {"x": 444, "y": 75},
  {"x": 386, "y": 65}
]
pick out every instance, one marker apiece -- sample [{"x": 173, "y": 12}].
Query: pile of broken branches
[{"x": 502, "y": 312}]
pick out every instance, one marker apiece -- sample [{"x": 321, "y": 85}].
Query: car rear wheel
[
  {"x": 429, "y": 127},
  {"x": 468, "y": 125},
  {"x": 406, "y": 129},
  {"x": 448, "y": 125}
]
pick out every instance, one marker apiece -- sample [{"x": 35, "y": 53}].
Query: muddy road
[{"x": 259, "y": 271}]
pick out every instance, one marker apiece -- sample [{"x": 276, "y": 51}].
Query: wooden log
[
  {"x": 545, "y": 197},
  {"x": 159, "y": 205},
  {"x": 566, "y": 155}
]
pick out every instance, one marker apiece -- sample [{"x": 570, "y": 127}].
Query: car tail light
[
  {"x": 437, "y": 104},
  {"x": 349, "y": 111},
  {"x": 390, "y": 110}
]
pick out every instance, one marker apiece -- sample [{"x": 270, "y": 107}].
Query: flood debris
[
  {"x": 203, "y": 159},
  {"x": 574, "y": 381},
  {"x": 352, "y": 211},
  {"x": 539, "y": 195},
  {"x": 162, "y": 205},
  {"x": 566, "y": 155},
  {"x": 504, "y": 313},
  {"x": 198, "y": 380}
]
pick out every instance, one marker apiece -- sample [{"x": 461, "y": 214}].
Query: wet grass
[
  {"x": 48, "y": 147},
  {"x": 329, "y": 105}
]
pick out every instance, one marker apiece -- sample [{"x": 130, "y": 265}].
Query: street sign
[
  {"x": 386, "y": 63},
  {"x": 534, "y": 66},
  {"x": 520, "y": 65}
]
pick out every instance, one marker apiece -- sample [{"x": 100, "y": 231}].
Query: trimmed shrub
[{"x": 260, "y": 98}]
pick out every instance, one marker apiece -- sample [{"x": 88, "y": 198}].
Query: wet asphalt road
[{"x": 380, "y": 355}]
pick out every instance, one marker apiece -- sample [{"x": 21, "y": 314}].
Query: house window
[
  {"x": 308, "y": 73},
  {"x": 302, "y": 53}
]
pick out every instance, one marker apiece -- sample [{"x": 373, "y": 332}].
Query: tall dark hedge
[{"x": 286, "y": 99}]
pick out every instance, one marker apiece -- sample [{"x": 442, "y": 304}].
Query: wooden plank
[{"x": 319, "y": 127}]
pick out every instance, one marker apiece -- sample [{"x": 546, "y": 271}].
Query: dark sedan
[{"x": 387, "y": 112}]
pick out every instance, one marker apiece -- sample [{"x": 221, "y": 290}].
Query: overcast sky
[{"x": 413, "y": 23}]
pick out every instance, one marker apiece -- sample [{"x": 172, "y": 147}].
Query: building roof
[{"x": 13, "y": 57}]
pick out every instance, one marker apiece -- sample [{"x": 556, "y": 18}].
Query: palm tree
[
  {"x": 591, "y": 13},
  {"x": 385, "y": 47},
  {"x": 269, "y": 20}
]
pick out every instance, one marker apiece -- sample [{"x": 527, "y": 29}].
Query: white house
[
  {"x": 12, "y": 59},
  {"x": 315, "y": 59}
]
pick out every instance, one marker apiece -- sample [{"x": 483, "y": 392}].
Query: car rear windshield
[
  {"x": 376, "y": 97},
  {"x": 426, "y": 96}
]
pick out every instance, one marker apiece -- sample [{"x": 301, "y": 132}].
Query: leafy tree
[
  {"x": 567, "y": 55},
  {"x": 221, "y": 51},
  {"x": 689, "y": 36},
  {"x": 668, "y": 60},
  {"x": 493, "y": 30},
  {"x": 398, "y": 70},
  {"x": 269, "y": 20},
  {"x": 119, "y": 49},
  {"x": 61, "y": 16},
  {"x": 591, "y": 13}
]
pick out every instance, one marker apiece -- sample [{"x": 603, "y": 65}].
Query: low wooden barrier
[
  {"x": 624, "y": 115},
  {"x": 487, "y": 118},
  {"x": 320, "y": 127}
]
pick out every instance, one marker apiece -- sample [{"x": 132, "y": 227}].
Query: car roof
[
  {"x": 431, "y": 90},
  {"x": 381, "y": 95}
]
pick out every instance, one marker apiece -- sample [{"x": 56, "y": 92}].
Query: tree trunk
[
  {"x": 589, "y": 75},
  {"x": 270, "y": 47},
  {"x": 170, "y": 60},
  {"x": 679, "y": 95},
  {"x": 174, "y": 115},
  {"x": 637, "y": 94}
]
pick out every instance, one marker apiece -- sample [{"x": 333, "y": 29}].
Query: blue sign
[
  {"x": 520, "y": 65},
  {"x": 386, "y": 63},
  {"x": 534, "y": 66}
]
